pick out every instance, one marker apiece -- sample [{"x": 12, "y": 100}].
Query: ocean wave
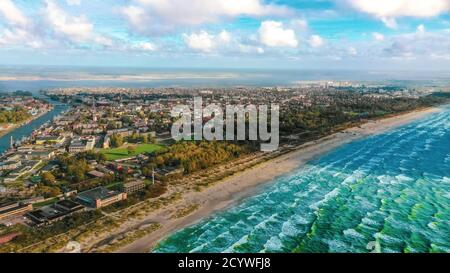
[{"x": 392, "y": 188}]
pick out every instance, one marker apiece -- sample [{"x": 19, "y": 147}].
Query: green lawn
[{"x": 119, "y": 153}]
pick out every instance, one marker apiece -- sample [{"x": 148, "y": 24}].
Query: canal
[{"x": 27, "y": 129}]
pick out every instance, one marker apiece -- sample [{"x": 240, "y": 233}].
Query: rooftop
[
  {"x": 46, "y": 213},
  {"x": 96, "y": 173},
  {"x": 70, "y": 205},
  {"x": 11, "y": 207},
  {"x": 99, "y": 193}
]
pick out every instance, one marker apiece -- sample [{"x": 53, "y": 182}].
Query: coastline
[{"x": 246, "y": 183}]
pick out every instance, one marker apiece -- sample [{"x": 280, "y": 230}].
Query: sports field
[{"x": 119, "y": 153}]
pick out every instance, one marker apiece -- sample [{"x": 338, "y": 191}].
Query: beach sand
[{"x": 244, "y": 184}]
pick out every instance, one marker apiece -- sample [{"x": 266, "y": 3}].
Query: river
[{"x": 27, "y": 129}]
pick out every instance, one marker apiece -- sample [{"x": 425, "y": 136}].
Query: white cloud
[
  {"x": 12, "y": 13},
  {"x": 316, "y": 41},
  {"x": 273, "y": 34},
  {"x": 378, "y": 36},
  {"x": 19, "y": 36},
  {"x": 73, "y": 2},
  {"x": 201, "y": 41},
  {"x": 225, "y": 36},
  {"x": 388, "y": 10},
  {"x": 419, "y": 44},
  {"x": 421, "y": 30},
  {"x": 390, "y": 22},
  {"x": 145, "y": 46},
  {"x": 76, "y": 29},
  {"x": 205, "y": 42},
  {"x": 160, "y": 16},
  {"x": 55, "y": 29},
  {"x": 135, "y": 15},
  {"x": 20, "y": 31},
  {"x": 249, "y": 49},
  {"x": 352, "y": 51},
  {"x": 102, "y": 40}
]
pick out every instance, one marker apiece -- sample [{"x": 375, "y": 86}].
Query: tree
[
  {"x": 131, "y": 149},
  {"x": 54, "y": 192},
  {"x": 77, "y": 170},
  {"x": 16, "y": 115},
  {"x": 91, "y": 155},
  {"x": 116, "y": 140},
  {"x": 159, "y": 160},
  {"x": 145, "y": 139},
  {"x": 48, "y": 178},
  {"x": 48, "y": 191},
  {"x": 108, "y": 179},
  {"x": 127, "y": 120},
  {"x": 111, "y": 126}
]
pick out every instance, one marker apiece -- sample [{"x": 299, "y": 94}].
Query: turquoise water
[{"x": 388, "y": 193}]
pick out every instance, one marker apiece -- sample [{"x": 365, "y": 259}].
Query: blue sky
[{"x": 318, "y": 34}]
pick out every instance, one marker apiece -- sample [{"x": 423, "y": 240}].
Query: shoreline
[
  {"x": 244, "y": 184},
  {"x": 23, "y": 123}
]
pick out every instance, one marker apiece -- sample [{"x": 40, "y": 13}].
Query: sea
[
  {"x": 48, "y": 77},
  {"x": 386, "y": 193}
]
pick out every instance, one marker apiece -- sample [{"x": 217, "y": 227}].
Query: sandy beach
[{"x": 233, "y": 189}]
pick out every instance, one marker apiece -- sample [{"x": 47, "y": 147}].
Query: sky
[{"x": 274, "y": 34}]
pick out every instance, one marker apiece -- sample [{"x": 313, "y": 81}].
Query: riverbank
[
  {"x": 233, "y": 189},
  {"x": 28, "y": 121},
  {"x": 27, "y": 129}
]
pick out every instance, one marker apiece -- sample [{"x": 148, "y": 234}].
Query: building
[
  {"x": 68, "y": 206},
  {"x": 56, "y": 212},
  {"x": 106, "y": 142},
  {"x": 45, "y": 216},
  {"x": 134, "y": 186},
  {"x": 169, "y": 171},
  {"x": 14, "y": 209},
  {"x": 9, "y": 165},
  {"x": 103, "y": 169},
  {"x": 10, "y": 178},
  {"x": 77, "y": 145},
  {"x": 25, "y": 168},
  {"x": 12, "y": 158},
  {"x": 100, "y": 197},
  {"x": 41, "y": 140},
  {"x": 40, "y": 155},
  {"x": 96, "y": 174},
  {"x": 8, "y": 237},
  {"x": 90, "y": 144}
]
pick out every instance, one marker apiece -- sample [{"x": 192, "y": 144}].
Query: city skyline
[{"x": 248, "y": 33}]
